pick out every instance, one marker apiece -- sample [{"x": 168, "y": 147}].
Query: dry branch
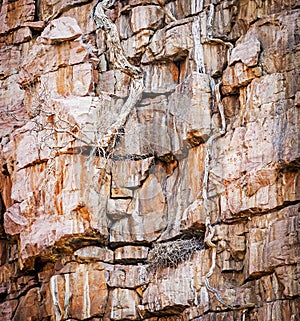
[
  {"x": 210, "y": 230},
  {"x": 166, "y": 11},
  {"x": 170, "y": 254},
  {"x": 120, "y": 62}
]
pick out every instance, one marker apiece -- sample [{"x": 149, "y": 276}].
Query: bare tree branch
[
  {"x": 166, "y": 11},
  {"x": 120, "y": 62}
]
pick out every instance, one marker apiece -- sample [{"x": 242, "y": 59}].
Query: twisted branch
[
  {"x": 210, "y": 230},
  {"x": 166, "y": 11},
  {"x": 120, "y": 62},
  {"x": 209, "y": 28}
]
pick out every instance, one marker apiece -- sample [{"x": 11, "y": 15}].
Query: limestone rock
[
  {"x": 125, "y": 310},
  {"x": 35, "y": 25},
  {"x": 10, "y": 61},
  {"x": 134, "y": 47},
  {"x": 75, "y": 80},
  {"x": 14, "y": 221},
  {"x": 59, "y": 215},
  {"x": 94, "y": 253},
  {"x": 131, "y": 253},
  {"x": 247, "y": 52},
  {"x": 49, "y": 9},
  {"x": 12, "y": 112},
  {"x": 114, "y": 82},
  {"x": 124, "y": 27},
  {"x": 29, "y": 306},
  {"x": 169, "y": 43},
  {"x": 297, "y": 98},
  {"x": 148, "y": 216},
  {"x": 183, "y": 9},
  {"x": 80, "y": 294},
  {"x": 14, "y": 15},
  {"x": 8, "y": 308},
  {"x": 265, "y": 253},
  {"x": 22, "y": 35},
  {"x": 160, "y": 78},
  {"x": 156, "y": 46},
  {"x": 193, "y": 217},
  {"x": 150, "y": 135},
  {"x": 128, "y": 176},
  {"x": 288, "y": 278},
  {"x": 184, "y": 208},
  {"x": 266, "y": 95},
  {"x": 146, "y": 17},
  {"x": 190, "y": 112},
  {"x": 78, "y": 12},
  {"x": 262, "y": 200},
  {"x": 45, "y": 58},
  {"x": 214, "y": 58},
  {"x": 78, "y": 219},
  {"x": 176, "y": 45},
  {"x": 127, "y": 276},
  {"x": 231, "y": 250},
  {"x": 175, "y": 296},
  {"x": 238, "y": 76},
  {"x": 25, "y": 156},
  {"x": 118, "y": 208}
]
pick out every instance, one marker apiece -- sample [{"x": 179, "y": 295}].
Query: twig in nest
[{"x": 170, "y": 254}]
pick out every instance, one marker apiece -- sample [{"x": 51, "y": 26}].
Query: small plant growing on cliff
[{"x": 170, "y": 254}]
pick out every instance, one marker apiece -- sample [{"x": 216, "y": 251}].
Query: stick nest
[{"x": 170, "y": 254}]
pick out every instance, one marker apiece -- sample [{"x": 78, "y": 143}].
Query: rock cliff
[{"x": 149, "y": 160}]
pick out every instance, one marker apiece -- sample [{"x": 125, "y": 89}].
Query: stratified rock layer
[{"x": 78, "y": 221}]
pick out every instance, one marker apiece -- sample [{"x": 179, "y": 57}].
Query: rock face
[{"x": 78, "y": 220}]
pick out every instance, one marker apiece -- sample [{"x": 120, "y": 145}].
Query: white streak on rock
[
  {"x": 86, "y": 296},
  {"x": 198, "y": 47},
  {"x": 197, "y": 6},
  {"x": 210, "y": 20},
  {"x": 67, "y": 295},
  {"x": 54, "y": 294}
]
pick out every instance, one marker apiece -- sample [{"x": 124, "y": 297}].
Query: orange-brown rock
[
  {"x": 79, "y": 293},
  {"x": 131, "y": 253},
  {"x": 95, "y": 190},
  {"x": 14, "y": 14},
  {"x": 146, "y": 17}
]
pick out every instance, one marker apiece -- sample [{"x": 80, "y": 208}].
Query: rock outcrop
[{"x": 163, "y": 122}]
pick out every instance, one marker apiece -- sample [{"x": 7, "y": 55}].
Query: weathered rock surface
[
  {"x": 62, "y": 29},
  {"x": 78, "y": 219}
]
